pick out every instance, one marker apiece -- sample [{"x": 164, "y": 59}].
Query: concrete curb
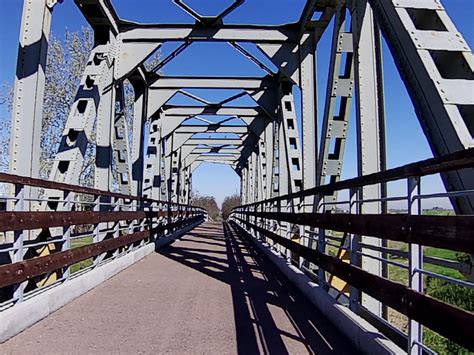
[
  {"x": 23, "y": 315},
  {"x": 365, "y": 337}
]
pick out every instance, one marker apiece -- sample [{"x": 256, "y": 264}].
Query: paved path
[{"x": 208, "y": 293}]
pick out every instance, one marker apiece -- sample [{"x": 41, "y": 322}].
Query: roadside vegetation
[
  {"x": 443, "y": 290},
  {"x": 229, "y": 203},
  {"x": 208, "y": 203}
]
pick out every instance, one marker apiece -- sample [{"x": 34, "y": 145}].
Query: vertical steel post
[
  {"x": 121, "y": 151},
  {"x": 415, "y": 278},
  {"x": 25, "y": 150},
  {"x": 354, "y": 208},
  {"x": 104, "y": 128},
  {"x": 18, "y": 241},
  {"x": 66, "y": 245},
  {"x": 309, "y": 137},
  {"x": 368, "y": 131},
  {"x": 139, "y": 123}
]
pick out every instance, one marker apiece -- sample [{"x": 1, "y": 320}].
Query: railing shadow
[{"x": 258, "y": 294}]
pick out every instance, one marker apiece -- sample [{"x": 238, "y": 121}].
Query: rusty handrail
[
  {"x": 448, "y": 232},
  {"x": 449, "y": 321}
]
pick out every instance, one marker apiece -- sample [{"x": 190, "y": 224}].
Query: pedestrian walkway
[{"x": 210, "y": 292}]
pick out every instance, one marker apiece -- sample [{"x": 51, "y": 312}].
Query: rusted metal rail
[
  {"x": 449, "y": 232},
  {"x": 304, "y": 237},
  {"x": 441, "y": 317},
  {"x": 110, "y": 224},
  {"x": 21, "y": 271}
]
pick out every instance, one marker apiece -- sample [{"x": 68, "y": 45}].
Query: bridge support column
[
  {"x": 289, "y": 154},
  {"x": 370, "y": 133},
  {"x": 152, "y": 174},
  {"x": 438, "y": 76},
  {"x": 139, "y": 124},
  {"x": 339, "y": 93},
  {"x": 308, "y": 85},
  {"x": 121, "y": 143},
  {"x": 25, "y": 150}
]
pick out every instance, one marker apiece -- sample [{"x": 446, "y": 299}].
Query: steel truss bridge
[{"x": 291, "y": 188}]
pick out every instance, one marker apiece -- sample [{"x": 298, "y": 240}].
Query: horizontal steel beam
[
  {"x": 223, "y": 150},
  {"x": 223, "y": 33},
  {"x": 213, "y": 141},
  {"x": 23, "y": 180},
  {"x": 212, "y": 129},
  {"x": 242, "y": 83},
  {"x": 15, "y": 221},
  {"x": 212, "y": 110},
  {"x": 225, "y": 162},
  {"x": 217, "y": 157}
]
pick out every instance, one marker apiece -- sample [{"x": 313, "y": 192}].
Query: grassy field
[
  {"x": 76, "y": 243},
  {"x": 438, "y": 212},
  {"x": 443, "y": 254},
  {"x": 440, "y": 289}
]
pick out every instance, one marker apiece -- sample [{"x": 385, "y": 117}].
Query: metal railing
[
  {"x": 329, "y": 243},
  {"x": 51, "y": 232}
]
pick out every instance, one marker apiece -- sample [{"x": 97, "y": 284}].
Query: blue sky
[{"x": 406, "y": 142}]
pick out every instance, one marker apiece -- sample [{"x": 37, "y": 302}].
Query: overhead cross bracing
[{"x": 266, "y": 128}]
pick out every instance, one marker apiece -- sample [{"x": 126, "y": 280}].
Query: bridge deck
[{"x": 209, "y": 292}]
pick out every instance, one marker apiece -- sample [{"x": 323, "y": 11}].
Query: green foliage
[
  {"x": 441, "y": 253},
  {"x": 447, "y": 255},
  {"x": 438, "y": 212},
  {"x": 229, "y": 203},
  {"x": 462, "y": 297},
  {"x": 459, "y": 296},
  {"x": 76, "y": 243},
  {"x": 207, "y": 202}
]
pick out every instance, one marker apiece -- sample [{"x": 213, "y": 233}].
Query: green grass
[
  {"x": 76, "y": 243},
  {"x": 443, "y": 254},
  {"x": 440, "y": 289},
  {"x": 398, "y": 274},
  {"x": 440, "y": 212}
]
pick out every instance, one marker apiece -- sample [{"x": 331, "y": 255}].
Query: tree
[
  {"x": 6, "y": 101},
  {"x": 66, "y": 62},
  {"x": 67, "y": 59},
  {"x": 229, "y": 203},
  {"x": 208, "y": 203}
]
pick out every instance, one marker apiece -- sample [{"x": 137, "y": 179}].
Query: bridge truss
[{"x": 290, "y": 175}]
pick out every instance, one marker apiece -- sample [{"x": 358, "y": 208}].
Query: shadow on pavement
[{"x": 259, "y": 291}]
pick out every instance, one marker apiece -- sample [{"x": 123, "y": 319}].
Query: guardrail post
[
  {"x": 134, "y": 206},
  {"x": 321, "y": 245},
  {"x": 415, "y": 278},
  {"x": 354, "y": 293},
  {"x": 116, "y": 205},
  {"x": 97, "y": 236},
  {"x": 66, "y": 244},
  {"x": 18, "y": 240}
]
